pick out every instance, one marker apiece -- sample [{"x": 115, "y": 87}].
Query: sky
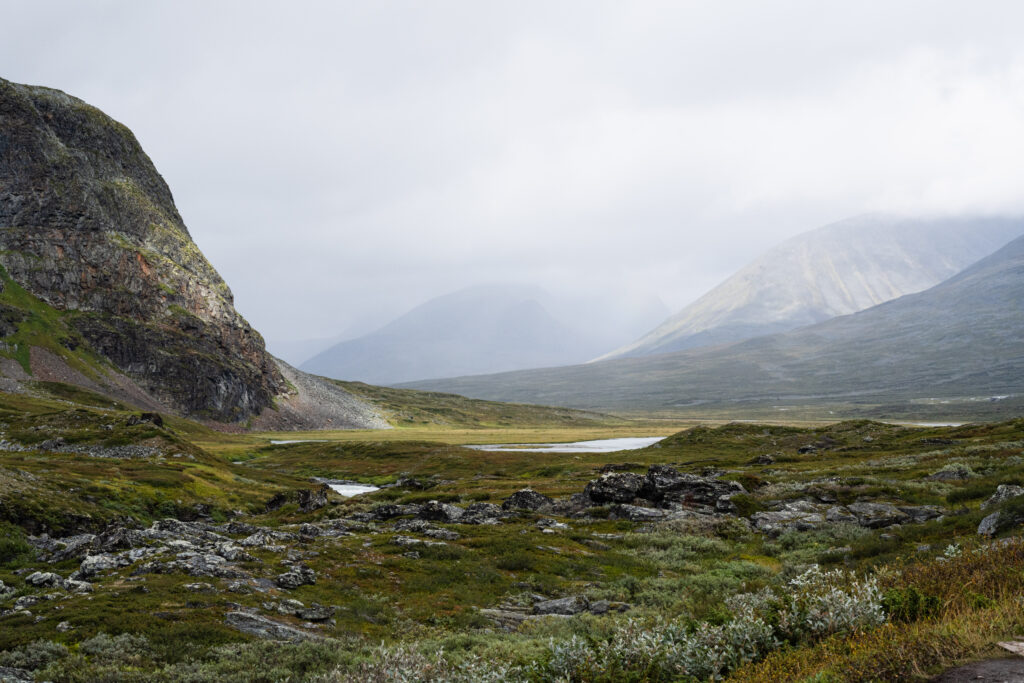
[{"x": 341, "y": 162}]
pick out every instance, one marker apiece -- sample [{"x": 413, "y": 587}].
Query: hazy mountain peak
[{"x": 834, "y": 270}]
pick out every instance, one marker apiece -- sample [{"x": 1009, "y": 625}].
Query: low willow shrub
[
  {"x": 404, "y": 664},
  {"x": 812, "y": 606}
]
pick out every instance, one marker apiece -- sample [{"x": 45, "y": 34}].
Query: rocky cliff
[{"x": 89, "y": 227}]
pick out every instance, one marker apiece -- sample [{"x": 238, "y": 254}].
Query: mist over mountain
[
  {"x": 482, "y": 329},
  {"x": 963, "y": 337},
  {"x": 834, "y": 270}
]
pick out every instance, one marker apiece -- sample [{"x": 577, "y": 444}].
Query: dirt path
[{"x": 1008, "y": 670}]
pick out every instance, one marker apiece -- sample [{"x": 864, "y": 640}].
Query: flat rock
[
  {"x": 791, "y": 517},
  {"x": 574, "y": 604},
  {"x": 878, "y": 515},
  {"x": 268, "y": 629}
]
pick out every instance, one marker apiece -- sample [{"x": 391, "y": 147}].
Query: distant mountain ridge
[
  {"x": 834, "y": 270},
  {"x": 963, "y": 337},
  {"x": 477, "y": 329}
]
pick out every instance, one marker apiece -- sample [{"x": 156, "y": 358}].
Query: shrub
[
  {"x": 121, "y": 650},
  {"x": 35, "y": 655},
  {"x": 14, "y": 549},
  {"x": 909, "y": 604},
  {"x": 405, "y": 665}
]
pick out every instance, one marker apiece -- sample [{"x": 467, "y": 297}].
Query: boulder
[
  {"x": 793, "y": 516},
  {"x": 45, "y": 580},
  {"x": 990, "y": 525},
  {"x": 1004, "y": 492},
  {"x": 615, "y": 487},
  {"x": 119, "y": 538},
  {"x": 94, "y": 564},
  {"x": 951, "y": 474},
  {"x": 526, "y": 499},
  {"x": 482, "y": 513},
  {"x": 663, "y": 486},
  {"x": 74, "y": 547},
  {"x": 839, "y": 514},
  {"x": 574, "y": 604},
  {"x": 436, "y": 511},
  {"x": 297, "y": 576},
  {"x": 76, "y": 586},
  {"x": 309, "y": 531},
  {"x": 233, "y": 553},
  {"x": 878, "y": 515}
]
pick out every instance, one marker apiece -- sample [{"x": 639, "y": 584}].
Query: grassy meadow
[{"x": 944, "y": 594}]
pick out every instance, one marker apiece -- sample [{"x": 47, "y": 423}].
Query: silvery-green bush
[
  {"x": 811, "y": 606},
  {"x": 405, "y": 665}
]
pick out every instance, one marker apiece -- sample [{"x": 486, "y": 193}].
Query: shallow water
[
  {"x": 349, "y": 490},
  {"x": 631, "y": 443},
  {"x": 279, "y": 442}
]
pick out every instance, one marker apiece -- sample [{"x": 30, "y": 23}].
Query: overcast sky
[{"x": 340, "y": 162}]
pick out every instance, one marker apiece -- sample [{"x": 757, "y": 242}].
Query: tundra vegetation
[{"x": 138, "y": 547}]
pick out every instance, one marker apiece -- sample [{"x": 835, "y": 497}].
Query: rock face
[{"x": 90, "y": 228}]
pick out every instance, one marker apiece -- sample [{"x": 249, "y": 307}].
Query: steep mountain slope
[
  {"x": 963, "y": 337},
  {"x": 103, "y": 286},
  {"x": 474, "y": 330},
  {"x": 835, "y": 270}
]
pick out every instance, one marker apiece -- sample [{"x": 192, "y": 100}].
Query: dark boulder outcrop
[
  {"x": 526, "y": 499},
  {"x": 663, "y": 487},
  {"x": 436, "y": 511},
  {"x": 615, "y": 487}
]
